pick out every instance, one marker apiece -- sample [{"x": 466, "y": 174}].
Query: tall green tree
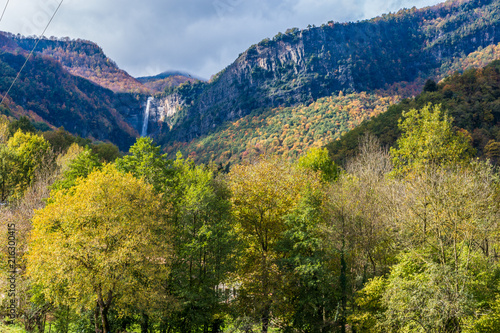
[
  {"x": 306, "y": 298},
  {"x": 146, "y": 161},
  {"x": 79, "y": 167},
  {"x": 204, "y": 247}
]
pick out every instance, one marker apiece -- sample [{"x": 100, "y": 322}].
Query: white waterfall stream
[{"x": 146, "y": 118}]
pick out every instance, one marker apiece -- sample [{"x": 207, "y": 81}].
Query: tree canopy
[{"x": 103, "y": 243}]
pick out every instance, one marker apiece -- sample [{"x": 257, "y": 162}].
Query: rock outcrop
[{"x": 303, "y": 65}]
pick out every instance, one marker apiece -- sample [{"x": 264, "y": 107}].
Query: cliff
[{"x": 300, "y": 66}]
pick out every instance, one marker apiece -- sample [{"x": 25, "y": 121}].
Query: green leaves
[
  {"x": 428, "y": 139},
  {"x": 146, "y": 161},
  {"x": 318, "y": 160},
  {"x": 80, "y": 167}
]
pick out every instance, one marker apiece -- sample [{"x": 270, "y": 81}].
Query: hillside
[
  {"x": 47, "y": 92},
  {"x": 471, "y": 98},
  {"x": 288, "y": 132},
  {"x": 294, "y": 80},
  {"x": 85, "y": 59},
  {"x": 300, "y": 66}
]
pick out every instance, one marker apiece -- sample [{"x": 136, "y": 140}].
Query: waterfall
[{"x": 146, "y": 118}]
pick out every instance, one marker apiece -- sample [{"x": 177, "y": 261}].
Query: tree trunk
[
  {"x": 265, "y": 318},
  {"x": 265, "y": 289},
  {"x": 104, "y": 308},
  {"x": 104, "y": 318},
  {"x": 343, "y": 287},
  {"x": 96, "y": 319},
  {"x": 40, "y": 323},
  {"x": 145, "y": 323},
  {"x": 216, "y": 324}
]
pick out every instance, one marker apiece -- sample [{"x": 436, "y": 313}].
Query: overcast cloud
[{"x": 198, "y": 36}]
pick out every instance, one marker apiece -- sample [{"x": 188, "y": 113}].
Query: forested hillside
[
  {"x": 46, "y": 92},
  {"x": 83, "y": 58},
  {"x": 300, "y": 66},
  {"x": 282, "y": 77},
  {"x": 286, "y": 132},
  {"x": 471, "y": 98}
]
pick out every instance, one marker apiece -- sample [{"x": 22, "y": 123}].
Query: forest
[
  {"x": 354, "y": 212},
  {"x": 288, "y": 132},
  {"x": 400, "y": 239}
]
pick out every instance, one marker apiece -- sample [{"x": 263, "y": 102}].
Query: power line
[
  {"x": 31, "y": 53},
  {"x": 4, "y": 9}
]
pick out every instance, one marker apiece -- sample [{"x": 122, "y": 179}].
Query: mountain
[
  {"x": 47, "y": 92},
  {"x": 301, "y": 88},
  {"x": 301, "y": 66},
  {"x": 85, "y": 59},
  {"x": 165, "y": 80}
]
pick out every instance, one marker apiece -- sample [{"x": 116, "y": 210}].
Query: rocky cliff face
[{"x": 303, "y": 65}]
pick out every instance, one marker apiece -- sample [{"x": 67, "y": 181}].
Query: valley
[{"x": 339, "y": 178}]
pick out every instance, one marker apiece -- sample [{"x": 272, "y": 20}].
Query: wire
[
  {"x": 31, "y": 53},
  {"x": 4, "y": 9}
]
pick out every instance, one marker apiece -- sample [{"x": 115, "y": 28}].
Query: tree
[
  {"x": 104, "y": 243},
  {"x": 8, "y": 169},
  {"x": 447, "y": 220},
  {"x": 23, "y": 124},
  {"x": 146, "y": 161},
  {"x": 492, "y": 151},
  {"x": 428, "y": 139},
  {"x": 430, "y": 86},
  {"x": 32, "y": 153},
  {"x": 358, "y": 234},
  {"x": 80, "y": 167},
  {"x": 204, "y": 247},
  {"x": 424, "y": 296},
  {"x": 263, "y": 193},
  {"x": 106, "y": 151},
  {"x": 305, "y": 300},
  {"x": 59, "y": 139},
  {"x": 317, "y": 159}
]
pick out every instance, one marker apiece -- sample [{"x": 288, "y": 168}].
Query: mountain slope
[
  {"x": 471, "y": 98},
  {"x": 165, "y": 80},
  {"x": 85, "y": 59},
  {"x": 47, "y": 92},
  {"x": 301, "y": 66},
  {"x": 288, "y": 132}
]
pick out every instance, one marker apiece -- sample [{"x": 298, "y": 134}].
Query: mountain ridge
[{"x": 301, "y": 66}]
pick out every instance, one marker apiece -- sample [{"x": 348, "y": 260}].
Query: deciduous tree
[
  {"x": 263, "y": 193},
  {"x": 104, "y": 243}
]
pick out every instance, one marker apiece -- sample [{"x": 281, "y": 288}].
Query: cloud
[{"x": 198, "y": 36}]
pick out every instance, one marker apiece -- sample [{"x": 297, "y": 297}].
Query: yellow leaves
[
  {"x": 428, "y": 140},
  {"x": 63, "y": 161},
  {"x": 99, "y": 233},
  {"x": 263, "y": 193}
]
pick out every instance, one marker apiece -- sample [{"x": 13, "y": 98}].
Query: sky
[{"x": 200, "y": 37}]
